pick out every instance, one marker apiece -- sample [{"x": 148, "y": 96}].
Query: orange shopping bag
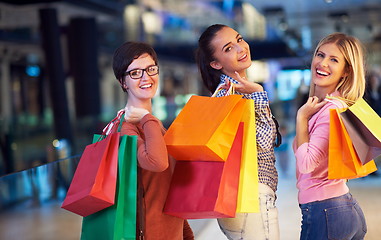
[
  {"x": 343, "y": 161},
  {"x": 205, "y": 128}
]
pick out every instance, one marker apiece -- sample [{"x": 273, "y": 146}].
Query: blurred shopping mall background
[{"x": 57, "y": 87}]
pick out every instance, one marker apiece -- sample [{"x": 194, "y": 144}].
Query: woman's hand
[
  {"x": 134, "y": 114},
  {"x": 310, "y": 108},
  {"x": 304, "y": 114},
  {"x": 245, "y": 86}
]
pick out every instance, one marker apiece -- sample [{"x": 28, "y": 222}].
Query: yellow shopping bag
[
  {"x": 363, "y": 126},
  {"x": 248, "y": 196}
]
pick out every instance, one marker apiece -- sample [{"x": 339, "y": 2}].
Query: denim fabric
[
  {"x": 336, "y": 218},
  {"x": 254, "y": 226}
]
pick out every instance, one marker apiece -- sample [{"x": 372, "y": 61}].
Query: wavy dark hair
[
  {"x": 125, "y": 54},
  {"x": 205, "y": 55}
]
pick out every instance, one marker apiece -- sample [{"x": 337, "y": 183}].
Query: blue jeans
[
  {"x": 254, "y": 226},
  {"x": 336, "y": 218}
]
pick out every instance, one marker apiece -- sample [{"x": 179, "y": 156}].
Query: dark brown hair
[
  {"x": 126, "y": 54},
  {"x": 205, "y": 55}
]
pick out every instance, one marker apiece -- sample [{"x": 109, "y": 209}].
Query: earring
[{"x": 124, "y": 84}]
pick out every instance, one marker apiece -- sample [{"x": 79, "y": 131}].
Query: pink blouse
[{"x": 312, "y": 160}]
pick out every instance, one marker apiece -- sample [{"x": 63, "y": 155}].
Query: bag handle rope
[
  {"x": 347, "y": 101},
  {"x": 229, "y": 91},
  {"x": 113, "y": 124}
]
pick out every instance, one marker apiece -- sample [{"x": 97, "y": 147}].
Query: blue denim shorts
[{"x": 335, "y": 218}]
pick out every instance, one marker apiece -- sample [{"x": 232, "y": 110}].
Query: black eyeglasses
[{"x": 138, "y": 73}]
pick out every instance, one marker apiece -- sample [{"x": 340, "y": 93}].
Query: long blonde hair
[{"x": 352, "y": 86}]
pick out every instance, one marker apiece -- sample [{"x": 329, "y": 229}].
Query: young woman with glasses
[
  {"x": 223, "y": 57},
  {"x": 136, "y": 68}
]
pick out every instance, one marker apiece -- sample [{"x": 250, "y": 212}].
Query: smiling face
[
  {"x": 231, "y": 52},
  {"x": 142, "y": 90},
  {"x": 328, "y": 68}
]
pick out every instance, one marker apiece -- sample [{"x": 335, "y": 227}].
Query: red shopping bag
[
  {"x": 118, "y": 221},
  {"x": 206, "y": 189},
  {"x": 94, "y": 182}
]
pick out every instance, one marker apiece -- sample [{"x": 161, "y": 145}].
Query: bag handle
[
  {"x": 229, "y": 91},
  {"x": 113, "y": 125},
  {"x": 346, "y": 101}
]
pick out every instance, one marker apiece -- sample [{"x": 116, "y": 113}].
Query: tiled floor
[{"x": 28, "y": 222}]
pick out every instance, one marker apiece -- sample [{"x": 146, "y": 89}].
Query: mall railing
[{"x": 38, "y": 184}]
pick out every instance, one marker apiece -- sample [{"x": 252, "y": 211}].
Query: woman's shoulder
[
  {"x": 128, "y": 127},
  {"x": 334, "y": 102},
  {"x": 324, "y": 113}
]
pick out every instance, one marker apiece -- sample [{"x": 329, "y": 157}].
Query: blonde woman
[{"x": 328, "y": 209}]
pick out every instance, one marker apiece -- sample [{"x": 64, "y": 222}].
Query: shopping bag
[
  {"x": 248, "y": 195},
  {"x": 93, "y": 186},
  {"x": 363, "y": 126},
  {"x": 206, "y": 189},
  {"x": 94, "y": 182},
  {"x": 205, "y": 128},
  {"x": 343, "y": 161},
  {"x": 118, "y": 221}
]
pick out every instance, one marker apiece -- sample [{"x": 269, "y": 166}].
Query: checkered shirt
[{"x": 265, "y": 133}]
